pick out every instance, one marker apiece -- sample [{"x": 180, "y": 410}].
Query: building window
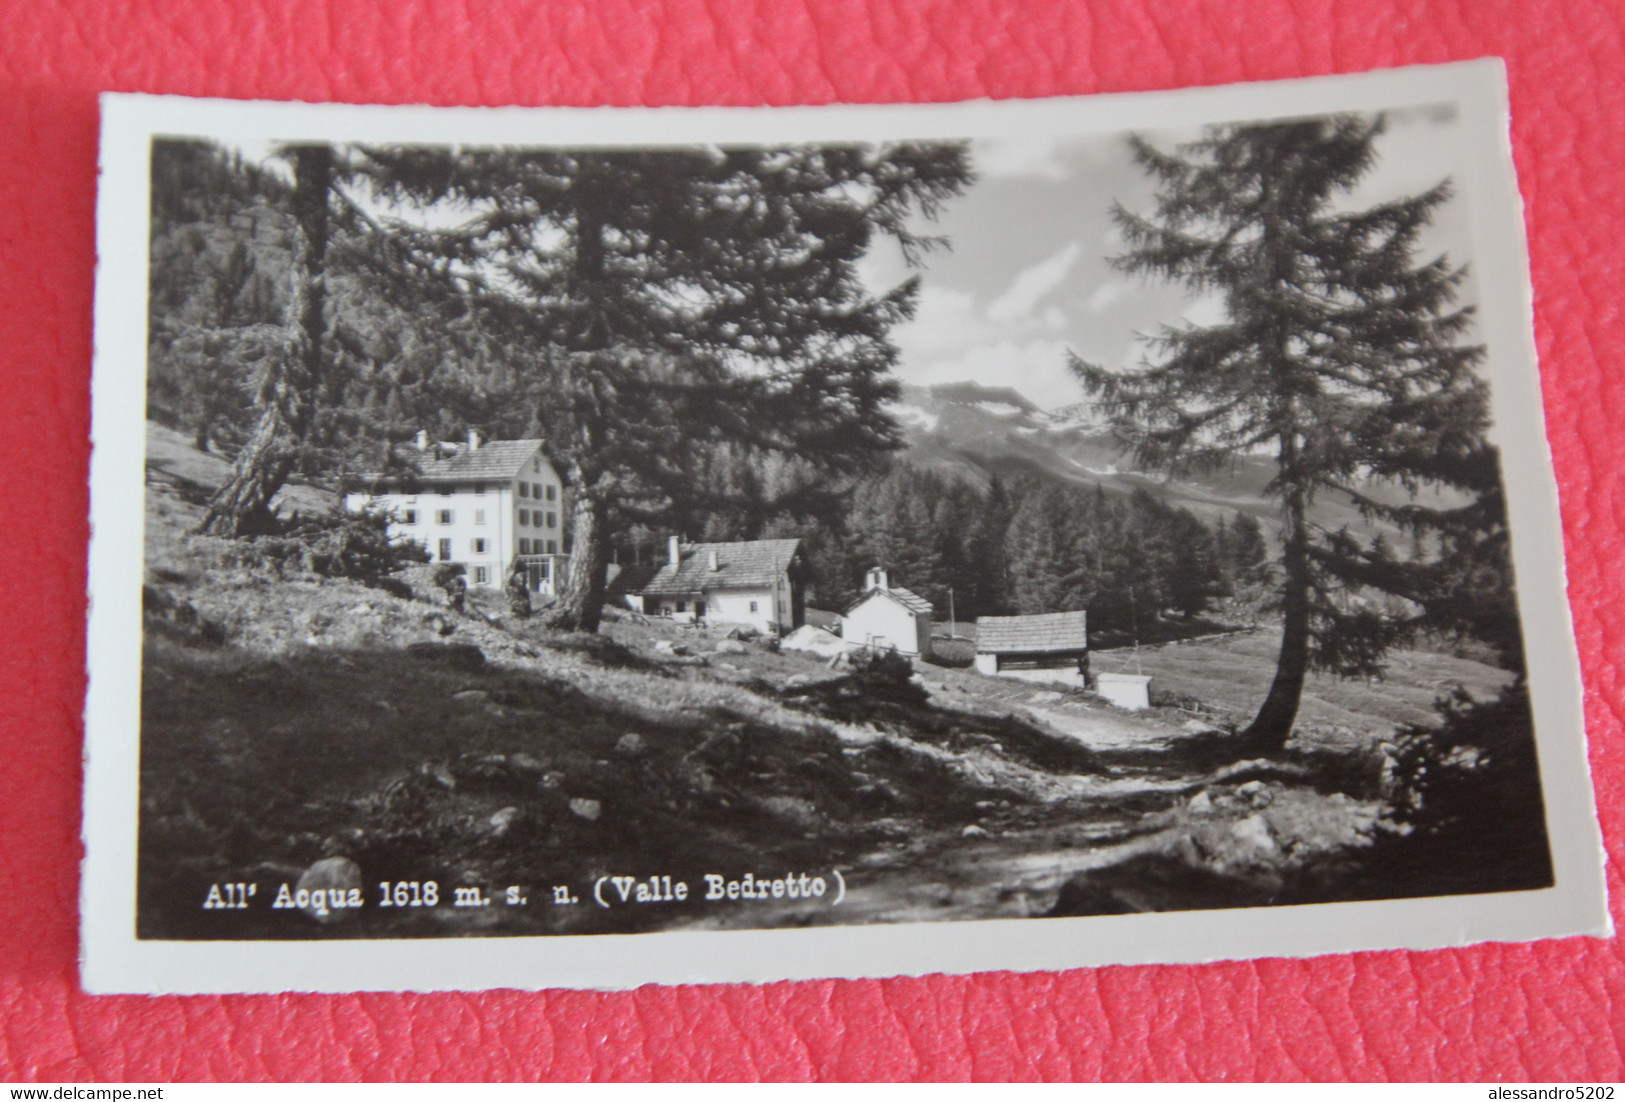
[
  {"x": 524, "y": 547},
  {"x": 552, "y": 520},
  {"x": 524, "y": 518},
  {"x": 552, "y": 493},
  {"x": 753, "y": 607},
  {"x": 482, "y": 575},
  {"x": 479, "y": 516},
  {"x": 442, "y": 516},
  {"x": 410, "y": 516},
  {"x": 524, "y": 489},
  {"x": 682, "y": 606},
  {"x": 552, "y": 547},
  {"x": 445, "y": 550},
  {"x": 478, "y": 545},
  {"x": 479, "y": 487}
]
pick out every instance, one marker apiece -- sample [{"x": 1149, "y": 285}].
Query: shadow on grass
[
  {"x": 417, "y": 767},
  {"x": 887, "y": 699},
  {"x": 254, "y": 767}
]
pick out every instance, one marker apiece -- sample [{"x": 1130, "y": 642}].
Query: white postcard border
[{"x": 114, "y": 960}]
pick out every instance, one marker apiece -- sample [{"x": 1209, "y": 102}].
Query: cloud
[
  {"x": 1108, "y": 294},
  {"x": 1206, "y": 310},
  {"x": 1033, "y": 284},
  {"x": 945, "y": 320}
]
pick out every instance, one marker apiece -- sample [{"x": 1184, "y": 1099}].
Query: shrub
[
  {"x": 1467, "y": 814},
  {"x": 886, "y": 675},
  {"x": 338, "y": 544}
]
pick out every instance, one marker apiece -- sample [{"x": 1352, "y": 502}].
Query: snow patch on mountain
[
  {"x": 1000, "y": 409},
  {"x": 913, "y": 416}
]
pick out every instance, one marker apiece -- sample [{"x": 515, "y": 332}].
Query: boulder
[
  {"x": 808, "y": 639},
  {"x": 1256, "y": 793},
  {"x": 731, "y": 646},
  {"x": 472, "y": 696},
  {"x": 502, "y": 821},
  {"x": 1254, "y": 831},
  {"x": 334, "y": 878},
  {"x": 527, "y": 762},
  {"x": 630, "y": 745},
  {"x": 792, "y": 809},
  {"x": 586, "y": 809}
]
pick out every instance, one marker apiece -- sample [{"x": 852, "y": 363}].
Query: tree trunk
[
  {"x": 242, "y": 507},
  {"x": 581, "y": 607},
  {"x": 288, "y": 394},
  {"x": 1272, "y": 726}
]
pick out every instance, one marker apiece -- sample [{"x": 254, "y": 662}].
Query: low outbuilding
[{"x": 1051, "y": 647}]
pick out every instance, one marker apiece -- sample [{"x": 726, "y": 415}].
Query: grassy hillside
[
  {"x": 288, "y": 720},
  {"x": 1231, "y": 676}
]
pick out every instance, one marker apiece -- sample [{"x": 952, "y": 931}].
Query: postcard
[{"x": 585, "y": 548}]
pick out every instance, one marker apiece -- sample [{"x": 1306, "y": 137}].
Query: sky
[{"x": 1029, "y": 277}]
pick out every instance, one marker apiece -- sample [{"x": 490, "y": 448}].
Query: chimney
[
  {"x": 876, "y": 579},
  {"x": 674, "y": 550},
  {"x": 712, "y": 563},
  {"x": 473, "y": 440},
  {"x": 422, "y": 440}
]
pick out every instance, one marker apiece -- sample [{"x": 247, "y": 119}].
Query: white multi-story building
[{"x": 484, "y": 505}]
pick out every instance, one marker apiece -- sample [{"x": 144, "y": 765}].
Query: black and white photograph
[{"x": 680, "y": 530}]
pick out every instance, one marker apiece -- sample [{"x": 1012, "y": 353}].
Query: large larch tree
[
  {"x": 663, "y": 303},
  {"x": 1343, "y": 354}
]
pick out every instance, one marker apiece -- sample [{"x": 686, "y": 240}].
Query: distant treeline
[
  {"x": 220, "y": 283},
  {"x": 1020, "y": 545}
]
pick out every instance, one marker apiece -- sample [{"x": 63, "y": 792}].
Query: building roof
[
  {"x": 909, "y": 600},
  {"x": 743, "y": 565},
  {"x": 492, "y": 461},
  {"x": 1042, "y": 634}
]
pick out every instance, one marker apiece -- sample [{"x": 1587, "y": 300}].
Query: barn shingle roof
[
  {"x": 908, "y": 599},
  {"x": 739, "y": 565},
  {"x": 495, "y": 460},
  {"x": 1045, "y": 633}
]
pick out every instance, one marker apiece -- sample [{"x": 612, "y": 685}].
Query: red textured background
[{"x": 1545, "y": 1011}]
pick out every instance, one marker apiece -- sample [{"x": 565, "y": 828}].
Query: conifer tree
[
  {"x": 213, "y": 309},
  {"x": 295, "y": 371},
  {"x": 1342, "y": 353},
  {"x": 1248, "y": 552},
  {"x": 665, "y": 301}
]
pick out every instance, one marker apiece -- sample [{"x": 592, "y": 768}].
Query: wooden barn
[{"x": 1049, "y": 647}]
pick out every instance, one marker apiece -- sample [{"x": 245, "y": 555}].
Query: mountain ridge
[{"x": 974, "y": 431}]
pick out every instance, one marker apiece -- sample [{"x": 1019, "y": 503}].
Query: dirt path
[{"x": 1103, "y": 730}]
